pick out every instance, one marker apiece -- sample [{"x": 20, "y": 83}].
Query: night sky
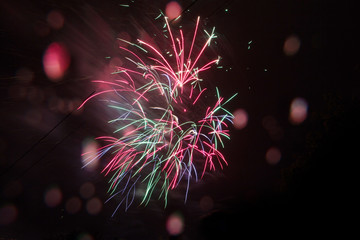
[{"x": 288, "y": 174}]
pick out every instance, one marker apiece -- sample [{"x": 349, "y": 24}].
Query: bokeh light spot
[
  {"x": 53, "y": 197},
  {"x": 73, "y": 205},
  {"x": 56, "y": 61},
  {"x": 8, "y": 214},
  {"x": 55, "y": 19},
  {"x": 273, "y": 156},
  {"x": 94, "y": 206},
  {"x": 87, "y": 190},
  {"x": 175, "y": 224},
  {"x": 89, "y": 158},
  {"x": 291, "y": 45},
  {"x": 298, "y": 111},
  {"x": 240, "y": 118},
  {"x": 173, "y": 10}
]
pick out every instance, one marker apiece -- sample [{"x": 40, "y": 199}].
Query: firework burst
[{"x": 154, "y": 145}]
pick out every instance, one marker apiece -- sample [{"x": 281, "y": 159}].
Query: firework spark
[{"x": 161, "y": 147}]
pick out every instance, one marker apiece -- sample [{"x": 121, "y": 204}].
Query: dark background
[{"x": 309, "y": 190}]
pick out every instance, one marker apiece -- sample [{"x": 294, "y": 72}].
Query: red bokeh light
[
  {"x": 55, "y": 19},
  {"x": 73, "y": 205},
  {"x": 8, "y": 214},
  {"x": 94, "y": 206},
  {"x": 87, "y": 190},
  {"x": 53, "y": 197},
  {"x": 89, "y": 154},
  {"x": 291, "y": 45},
  {"x": 298, "y": 111},
  {"x": 273, "y": 156},
  {"x": 240, "y": 118},
  {"x": 56, "y": 61},
  {"x": 175, "y": 224},
  {"x": 173, "y": 10}
]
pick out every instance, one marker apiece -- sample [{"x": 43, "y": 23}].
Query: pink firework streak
[{"x": 161, "y": 148}]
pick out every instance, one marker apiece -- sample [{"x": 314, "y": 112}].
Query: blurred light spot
[
  {"x": 240, "y": 118},
  {"x": 291, "y": 45},
  {"x": 89, "y": 158},
  {"x": 173, "y": 10},
  {"x": 87, "y": 190},
  {"x": 206, "y": 203},
  {"x": 175, "y": 224},
  {"x": 140, "y": 191},
  {"x": 273, "y": 156},
  {"x": 85, "y": 236},
  {"x": 8, "y": 214},
  {"x": 55, "y": 19},
  {"x": 70, "y": 106},
  {"x": 53, "y": 197},
  {"x": 24, "y": 75},
  {"x": 73, "y": 205},
  {"x": 94, "y": 206},
  {"x": 13, "y": 189},
  {"x": 298, "y": 111},
  {"x": 56, "y": 61}
]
